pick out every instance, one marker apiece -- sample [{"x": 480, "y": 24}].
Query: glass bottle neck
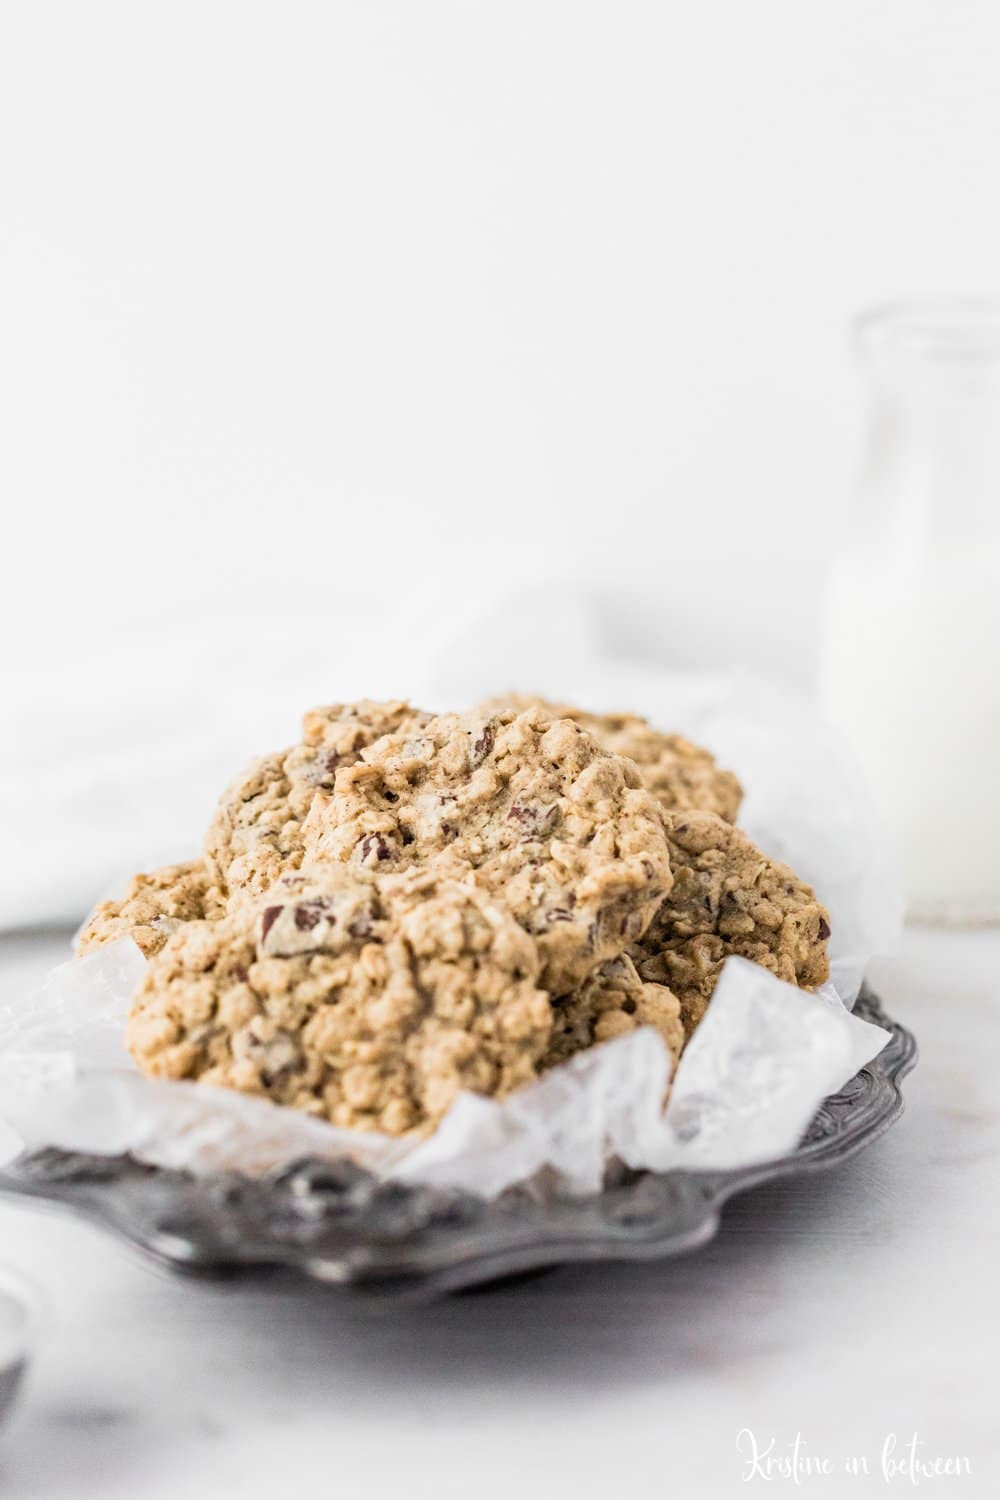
[{"x": 931, "y": 477}]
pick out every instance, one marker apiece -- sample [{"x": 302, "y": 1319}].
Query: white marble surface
[{"x": 844, "y": 1309}]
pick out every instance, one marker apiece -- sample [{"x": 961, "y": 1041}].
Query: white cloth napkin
[{"x": 117, "y": 767}]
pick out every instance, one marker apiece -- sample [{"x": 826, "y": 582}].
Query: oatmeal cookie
[
  {"x": 679, "y": 773},
  {"x": 561, "y": 830},
  {"x": 728, "y": 897},
  {"x": 611, "y": 1001},
  {"x": 153, "y": 908},
  {"x": 256, "y": 833},
  {"x": 366, "y": 1002}
]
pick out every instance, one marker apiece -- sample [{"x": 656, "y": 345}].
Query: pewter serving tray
[{"x": 334, "y": 1223}]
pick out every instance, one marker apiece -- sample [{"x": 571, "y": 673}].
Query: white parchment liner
[{"x": 760, "y": 1064}]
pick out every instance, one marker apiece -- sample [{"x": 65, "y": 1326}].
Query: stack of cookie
[{"x": 405, "y": 905}]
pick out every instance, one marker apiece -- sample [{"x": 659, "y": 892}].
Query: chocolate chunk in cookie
[
  {"x": 680, "y": 774},
  {"x": 367, "y": 1003},
  {"x": 559, "y": 829},
  {"x": 153, "y": 907},
  {"x": 728, "y": 897}
]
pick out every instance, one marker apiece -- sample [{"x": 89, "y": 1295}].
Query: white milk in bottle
[{"x": 912, "y": 634}]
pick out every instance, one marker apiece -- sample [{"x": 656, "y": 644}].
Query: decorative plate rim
[{"x": 332, "y": 1223}]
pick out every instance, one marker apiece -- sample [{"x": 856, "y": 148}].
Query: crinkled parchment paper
[{"x": 760, "y": 1064}]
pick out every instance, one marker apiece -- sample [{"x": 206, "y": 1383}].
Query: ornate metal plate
[{"x": 336, "y": 1224}]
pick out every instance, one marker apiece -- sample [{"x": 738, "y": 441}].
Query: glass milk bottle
[{"x": 912, "y": 631}]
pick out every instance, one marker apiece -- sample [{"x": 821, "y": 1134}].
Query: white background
[{"x": 347, "y": 309}]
